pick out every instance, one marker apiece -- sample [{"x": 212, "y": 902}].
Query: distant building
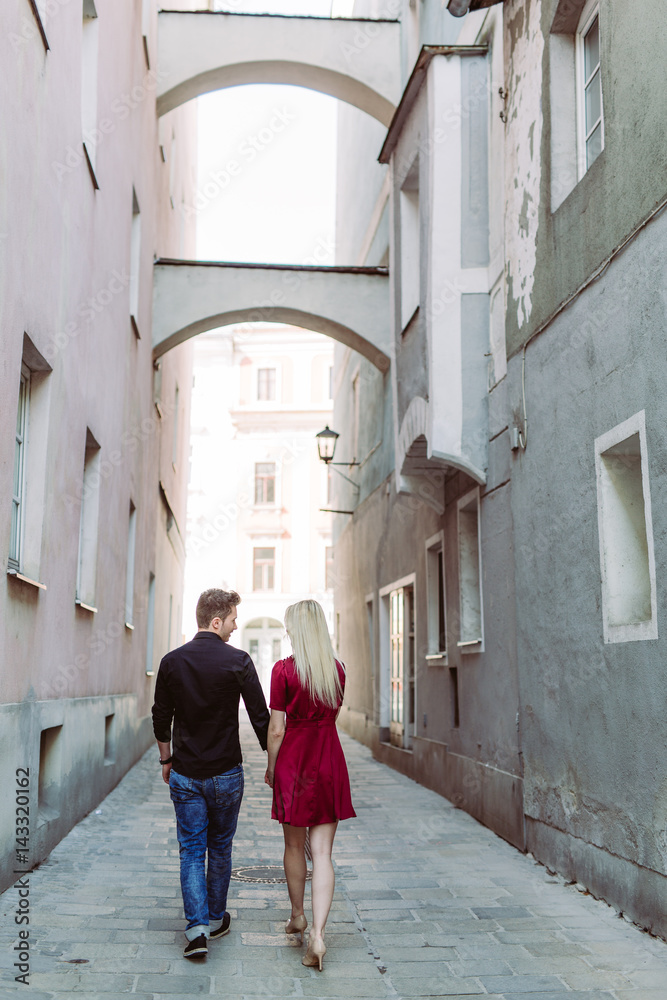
[{"x": 261, "y": 394}]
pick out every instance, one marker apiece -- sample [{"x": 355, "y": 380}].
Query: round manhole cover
[{"x": 262, "y": 873}]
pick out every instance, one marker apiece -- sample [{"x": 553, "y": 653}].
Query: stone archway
[
  {"x": 349, "y": 304},
  {"x": 355, "y": 60}
]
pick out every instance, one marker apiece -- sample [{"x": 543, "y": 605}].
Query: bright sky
[{"x": 267, "y": 161}]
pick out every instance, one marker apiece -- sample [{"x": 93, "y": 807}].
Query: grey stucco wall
[
  {"x": 593, "y": 714},
  {"x": 628, "y": 178}
]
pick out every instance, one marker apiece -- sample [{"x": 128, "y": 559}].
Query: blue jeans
[{"x": 207, "y": 811}]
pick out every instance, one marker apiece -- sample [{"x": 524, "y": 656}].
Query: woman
[{"x": 306, "y": 768}]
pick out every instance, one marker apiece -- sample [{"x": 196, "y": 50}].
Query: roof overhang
[{"x": 413, "y": 87}]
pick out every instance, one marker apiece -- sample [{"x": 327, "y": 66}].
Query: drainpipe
[{"x": 459, "y": 8}]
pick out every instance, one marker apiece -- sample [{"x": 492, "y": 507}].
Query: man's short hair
[{"x": 215, "y": 603}]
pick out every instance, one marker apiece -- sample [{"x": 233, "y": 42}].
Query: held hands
[
  {"x": 268, "y": 778},
  {"x": 166, "y": 771}
]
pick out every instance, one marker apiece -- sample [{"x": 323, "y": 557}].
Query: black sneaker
[
  {"x": 197, "y": 947},
  {"x": 222, "y": 929}
]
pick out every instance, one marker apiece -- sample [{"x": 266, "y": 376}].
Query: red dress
[{"x": 311, "y": 784}]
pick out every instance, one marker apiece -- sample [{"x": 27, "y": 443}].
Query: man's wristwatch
[{"x": 167, "y": 760}]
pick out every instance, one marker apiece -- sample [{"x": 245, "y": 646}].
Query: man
[{"x": 198, "y": 686}]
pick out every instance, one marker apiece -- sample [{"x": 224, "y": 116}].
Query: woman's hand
[{"x": 268, "y": 778}]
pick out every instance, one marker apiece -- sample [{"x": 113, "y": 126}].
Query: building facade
[
  {"x": 255, "y": 523},
  {"x": 94, "y": 442},
  {"x": 498, "y": 591}
]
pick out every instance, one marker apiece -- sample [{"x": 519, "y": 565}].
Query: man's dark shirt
[{"x": 199, "y": 686}]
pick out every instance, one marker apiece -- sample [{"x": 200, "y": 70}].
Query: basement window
[
  {"x": 625, "y": 526},
  {"x": 110, "y": 739},
  {"x": 50, "y": 746}
]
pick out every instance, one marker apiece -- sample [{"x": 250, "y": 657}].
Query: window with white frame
[
  {"x": 129, "y": 567},
  {"x": 266, "y": 384},
  {"x": 265, "y": 482},
  {"x": 397, "y": 680},
  {"x": 263, "y": 568},
  {"x": 30, "y": 478},
  {"x": 135, "y": 263},
  {"x": 589, "y": 88},
  {"x": 18, "y": 493},
  {"x": 150, "y": 626},
  {"x": 89, "y": 526},
  {"x": 627, "y": 561},
  {"x": 435, "y": 598},
  {"x": 89, "y": 59},
  {"x": 175, "y": 436},
  {"x": 470, "y": 576}
]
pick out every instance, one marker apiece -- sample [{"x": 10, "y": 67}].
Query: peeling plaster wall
[{"x": 524, "y": 44}]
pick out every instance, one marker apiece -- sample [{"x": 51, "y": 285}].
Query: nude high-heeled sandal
[
  {"x": 297, "y": 925},
  {"x": 316, "y": 952}
]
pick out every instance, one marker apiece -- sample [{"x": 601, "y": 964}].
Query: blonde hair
[{"x": 314, "y": 657}]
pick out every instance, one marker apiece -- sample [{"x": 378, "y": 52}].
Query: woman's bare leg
[
  {"x": 295, "y": 865},
  {"x": 321, "y": 844}
]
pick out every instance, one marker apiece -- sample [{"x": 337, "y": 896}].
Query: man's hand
[
  {"x": 166, "y": 771},
  {"x": 268, "y": 778}
]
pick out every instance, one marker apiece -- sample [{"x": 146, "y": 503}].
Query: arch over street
[
  {"x": 349, "y": 304},
  {"x": 355, "y": 60}
]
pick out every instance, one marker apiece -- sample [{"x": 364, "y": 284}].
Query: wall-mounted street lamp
[{"x": 326, "y": 447}]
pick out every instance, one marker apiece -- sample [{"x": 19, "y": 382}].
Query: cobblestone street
[{"x": 428, "y": 904}]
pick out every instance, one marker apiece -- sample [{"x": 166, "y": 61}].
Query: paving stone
[
  {"x": 522, "y": 984},
  {"x": 437, "y": 986}
]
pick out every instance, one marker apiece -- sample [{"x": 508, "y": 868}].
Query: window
[
  {"x": 89, "y": 56},
  {"x": 169, "y": 620},
  {"x": 435, "y": 597},
  {"x": 150, "y": 625},
  {"x": 135, "y": 263},
  {"x": 265, "y": 482},
  {"x": 174, "y": 441},
  {"x": 50, "y": 768},
  {"x": 129, "y": 572},
  {"x": 589, "y": 88},
  {"x": 88, "y": 526},
  {"x": 277, "y": 649},
  {"x": 627, "y": 562},
  {"x": 329, "y": 567},
  {"x": 454, "y": 697},
  {"x": 18, "y": 495},
  {"x": 410, "y": 244},
  {"x": 470, "y": 587},
  {"x": 401, "y": 673},
  {"x": 146, "y": 10},
  {"x": 110, "y": 739},
  {"x": 266, "y": 384},
  {"x": 356, "y": 413},
  {"x": 253, "y": 649},
  {"x": 263, "y": 568},
  {"x": 29, "y": 481}
]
